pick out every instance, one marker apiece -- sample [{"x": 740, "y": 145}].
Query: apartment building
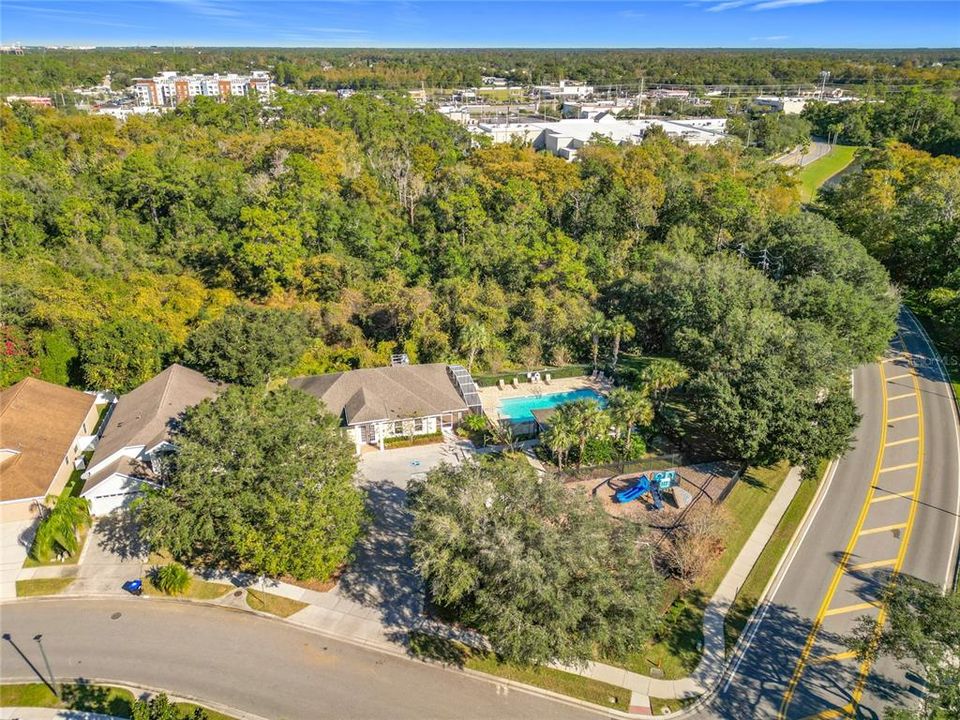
[{"x": 169, "y": 89}]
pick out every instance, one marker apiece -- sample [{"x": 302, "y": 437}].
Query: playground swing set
[{"x": 645, "y": 486}]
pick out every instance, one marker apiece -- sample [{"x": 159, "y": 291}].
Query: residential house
[
  {"x": 138, "y": 434},
  {"x": 44, "y": 429},
  {"x": 375, "y": 404}
]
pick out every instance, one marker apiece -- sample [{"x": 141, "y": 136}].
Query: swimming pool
[{"x": 519, "y": 409}]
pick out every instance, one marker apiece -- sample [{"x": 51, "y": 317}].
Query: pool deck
[{"x": 491, "y": 396}]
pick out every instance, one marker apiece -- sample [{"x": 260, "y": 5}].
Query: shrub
[
  {"x": 412, "y": 440},
  {"x": 172, "y": 579}
]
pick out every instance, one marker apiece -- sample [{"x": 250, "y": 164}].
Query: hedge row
[
  {"x": 558, "y": 372},
  {"x": 412, "y": 440}
]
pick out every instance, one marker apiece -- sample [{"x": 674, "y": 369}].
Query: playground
[{"x": 659, "y": 498}]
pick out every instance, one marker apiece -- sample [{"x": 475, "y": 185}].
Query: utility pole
[
  {"x": 56, "y": 686},
  {"x": 640, "y": 98},
  {"x": 824, "y": 74}
]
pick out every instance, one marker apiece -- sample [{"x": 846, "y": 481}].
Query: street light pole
[{"x": 56, "y": 686}]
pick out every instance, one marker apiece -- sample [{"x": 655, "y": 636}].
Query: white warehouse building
[{"x": 564, "y": 138}]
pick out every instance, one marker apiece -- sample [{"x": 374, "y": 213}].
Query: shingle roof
[
  {"x": 148, "y": 414},
  {"x": 39, "y": 422},
  {"x": 387, "y": 393}
]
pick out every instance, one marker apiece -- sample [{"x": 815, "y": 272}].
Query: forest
[
  {"x": 374, "y": 227},
  {"x": 869, "y": 71}
]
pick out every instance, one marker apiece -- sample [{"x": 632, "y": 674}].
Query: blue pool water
[{"x": 518, "y": 409}]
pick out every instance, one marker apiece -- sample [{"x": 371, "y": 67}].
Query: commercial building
[
  {"x": 564, "y": 138},
  {"x": 564, "y": 90},
  {"x": 44, "y": 430},
  {"x": 375, "y": 404},
  {"x": 784, "y": 104},
  {"x": 169, "y": 89},
  {"x": 123, "y": 110},
  {"x": 34, "y": 100}
]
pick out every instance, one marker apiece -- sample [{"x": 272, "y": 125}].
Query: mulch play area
[{"x": 705, "y": 482}]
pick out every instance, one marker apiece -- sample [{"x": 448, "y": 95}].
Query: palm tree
[
  {"x": 474, "y": 337},
  {"x": 621, "y": 329},
  {"x": 60, "y": 530},
  {"x": 629, "y": 408},
  {"x": 594, "y": 329},
  {"x": 560, "y": 435},
  {"x": 661, "y": 376},
  {"x": 588, "y": 422}
]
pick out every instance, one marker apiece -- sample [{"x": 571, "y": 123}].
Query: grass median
[
  {"x": 42, "y": 586},
  {"x": 815, "y": 174},
  {"x": 451, "y": 652},
  {"x": 273, "y": 604},
  {"x": 753, "y": 587}
]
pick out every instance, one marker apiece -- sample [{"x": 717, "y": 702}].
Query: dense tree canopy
[
  {"x": 247, "y": 344},
  {"x": 379, "y": 69},
  {"x": 378, "y": 224},
  {"x": 543, "y": 573},
  {"x": 283, "y": 503},
  {"x": 902, "y": 206}
]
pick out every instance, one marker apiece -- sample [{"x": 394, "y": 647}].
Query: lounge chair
[
  {"x": 593, "y": 375},
  {"x": 500, "y": 384},
  {"x": 546, "y": 378},
  {"x": 599, "y": 377},
  {"x": 516, "y": 383}
]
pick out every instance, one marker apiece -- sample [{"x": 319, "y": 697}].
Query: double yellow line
[{"x": 842, "y": 566}]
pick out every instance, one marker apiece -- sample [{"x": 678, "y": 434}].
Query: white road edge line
[
  {"x": 780, "y": 573},
  {"x": 945, "y": 377}
]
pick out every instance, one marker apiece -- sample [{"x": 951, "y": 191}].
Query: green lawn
[
  {"x": 198, "y": 589},
  {"x": 819, "y": 171},
  {"x": 42, "y": 586},
  {"x": 187, "y": 709},
  {"x": 677, "y": 650},
  {"x": 455, "y": 653},
  {"x": 69, "y": 560},
  {"x": 88, "y": 698},
  {"x": 273, "y": 604},
  {"x": 759, "y": 576},
  {"x": 75, "y": 484},
  {"x": 661, "y": 706},
  {"x": 79, "y": 696}
]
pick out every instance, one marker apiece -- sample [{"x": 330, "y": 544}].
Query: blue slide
[{"x": 634, "y": 491}]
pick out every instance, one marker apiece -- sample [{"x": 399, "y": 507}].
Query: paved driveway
[
  {"x": 381, "y": 578},
  {"x": 15, "y": 540}
]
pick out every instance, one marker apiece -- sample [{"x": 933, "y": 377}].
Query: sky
[{"x": 492, "y": 23}]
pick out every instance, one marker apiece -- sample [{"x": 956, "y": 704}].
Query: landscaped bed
[{"x": 30, "y": 562}]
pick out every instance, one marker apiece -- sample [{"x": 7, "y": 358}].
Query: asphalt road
[
  {"x": 798, "y": 158},
  {"x": 254, "y": 664},
  {"x": 867, "y": 526}
]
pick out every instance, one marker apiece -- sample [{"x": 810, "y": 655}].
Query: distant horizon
[
  {"x": 530, "y": 48},
  {"x": 472, "y": 25}
]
